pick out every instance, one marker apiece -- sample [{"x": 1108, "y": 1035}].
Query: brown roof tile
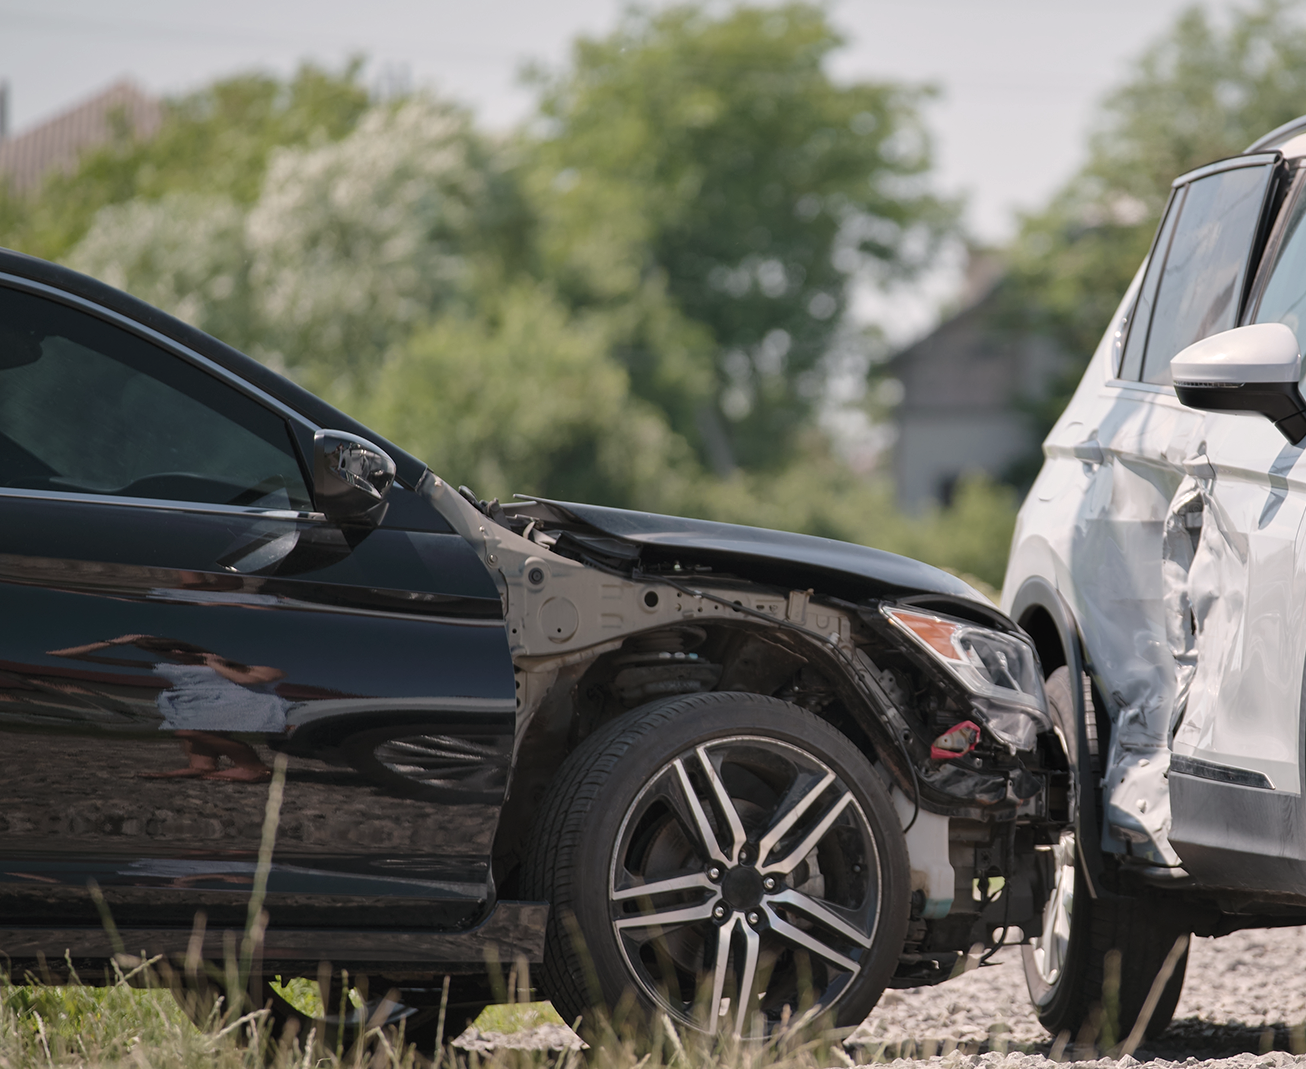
[{"x": 59, "y": 143}]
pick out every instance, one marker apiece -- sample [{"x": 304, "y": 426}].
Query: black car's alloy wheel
[{"x": 731, "y": 859}]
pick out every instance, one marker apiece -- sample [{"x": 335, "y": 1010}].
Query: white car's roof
[{"x": 1288, "y": 139}]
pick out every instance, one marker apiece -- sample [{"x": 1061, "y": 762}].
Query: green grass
[
  {"x": 511, "y": 1017},
  {"x": 135, "y": 1022},
  {"x": 47, "y": 1026}
]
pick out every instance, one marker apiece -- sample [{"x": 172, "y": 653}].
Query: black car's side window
[
  {"x": 87, "y": 407},
  {"x": 1205, "y": 267}
]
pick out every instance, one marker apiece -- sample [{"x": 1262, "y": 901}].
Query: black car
[{"x": 737, "y": 772}]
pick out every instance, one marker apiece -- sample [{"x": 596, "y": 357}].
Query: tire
[
  {"x": 798, "y": 892},
  {"x": 1065, "y": 965}
]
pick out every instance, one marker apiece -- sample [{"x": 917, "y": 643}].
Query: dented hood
[{"x": 785, "y": 555}]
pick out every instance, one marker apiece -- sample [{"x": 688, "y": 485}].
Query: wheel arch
[{"x": 559, "y": 723}]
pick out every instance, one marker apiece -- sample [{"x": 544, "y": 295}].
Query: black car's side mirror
[
  {"x": 351, "y": 476},
  {"x": 1255, "y": 368}
]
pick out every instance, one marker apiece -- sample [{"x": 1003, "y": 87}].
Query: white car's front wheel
[
  {"x": 1066, "y": 963},
  {"x": 1047, "y": 952}
]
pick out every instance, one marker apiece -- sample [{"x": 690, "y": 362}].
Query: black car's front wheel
[{"x": 729, "y": 858}]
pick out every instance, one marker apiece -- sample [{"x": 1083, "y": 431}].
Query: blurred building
[
  {"x": 962, "y": 390},
  {"x": 122, "y": 110}
]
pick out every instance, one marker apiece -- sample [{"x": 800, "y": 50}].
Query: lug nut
[
  {"x": 719, "y": 912},
  {"x": 768, "y": 883},
  {"x": 714, "y": 872},
  {"x": 754, "y": 917}
]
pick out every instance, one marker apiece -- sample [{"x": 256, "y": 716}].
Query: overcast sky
[{"x": 1020, "y": 79}]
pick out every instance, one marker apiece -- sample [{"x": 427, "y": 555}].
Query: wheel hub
[
  {"x": 741, "y": 888},
  {"x": 729, "y": 925},
  {"x": 1049, "y": 949}
]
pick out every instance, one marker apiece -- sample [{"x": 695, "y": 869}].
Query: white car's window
[
  {"x": 1206, "y": 264},
  {"x": 1284, "y": 297},
  {"x": 1131, "y": 364},
  {"x": 86, "y": 407}
]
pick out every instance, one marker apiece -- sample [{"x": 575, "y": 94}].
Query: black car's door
[{"x": 174, "y": 614}]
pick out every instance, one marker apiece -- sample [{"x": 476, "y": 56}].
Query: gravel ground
[
  {"x": 1243, "y": 994},
  {"x": 1243, "y": 1007}
]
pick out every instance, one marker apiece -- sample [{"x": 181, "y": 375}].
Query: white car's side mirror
[{"x": 1248, "y": 369}]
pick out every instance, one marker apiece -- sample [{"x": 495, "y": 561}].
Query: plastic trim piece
[
  {"x": 163, "y": 503},
  {"x": 1259, "y": 159},
  {"x": 513, "y": 929},
  {"x": 1242, "y": 777}
]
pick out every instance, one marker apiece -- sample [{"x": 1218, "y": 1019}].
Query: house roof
[{"x": 57, "y": 144}]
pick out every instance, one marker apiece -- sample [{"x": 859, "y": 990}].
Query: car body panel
[
  {"x": 1177, "y": 539},
  {"x": 861, "y": 564},
  {"x": 139, "y": 627},
  {"x": 355, "y": 664}
]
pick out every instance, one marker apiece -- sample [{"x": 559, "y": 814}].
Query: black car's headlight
[{"x": 999, "y": 669}]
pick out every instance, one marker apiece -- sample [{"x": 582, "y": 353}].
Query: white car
[{"x": 1159, "y": 562}]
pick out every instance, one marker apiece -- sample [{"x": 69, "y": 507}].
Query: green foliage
[
  {"x": 635, "y": 300},
  {"x": 184, "y": 252},
  {"x": 217, "y": 140},
  {"x": 716, "y": 153},
  {"x": 516, "y": 1017},
  {"x": 347, "y": 248},
  {"x": 524, "y": 397},
  {"x": 44, "y": 1025},
  {"x": 971, "y": 537},
  {"x": 1201, "y": 93}
]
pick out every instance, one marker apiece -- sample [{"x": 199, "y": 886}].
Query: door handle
[{"x": 1090, "y": 452}]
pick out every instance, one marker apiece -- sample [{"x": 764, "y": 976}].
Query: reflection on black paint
[
  {"x": 401, "y": 636},
  {"x": 205, "y": 699}
]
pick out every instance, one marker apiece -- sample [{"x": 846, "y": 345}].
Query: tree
[
  {"x": 524, "y": 397},
  {"x": 456, "y": 293},
  {"x": 348, "y": 247},
  {"x": 1201, "y": 93},
  {"x": 714, "y": 157},
  {"x": 214, "y": 141}
]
